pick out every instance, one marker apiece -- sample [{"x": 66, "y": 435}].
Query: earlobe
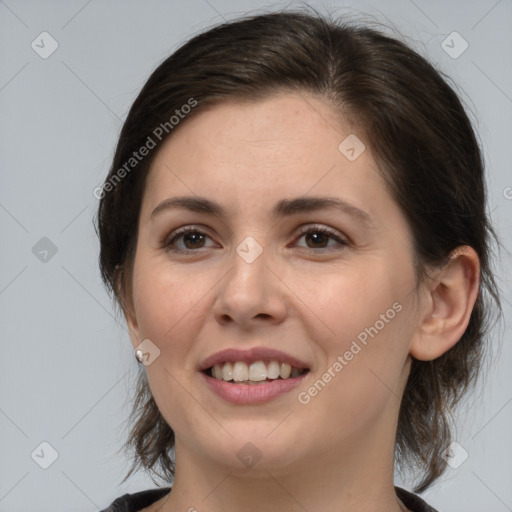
[{"x": 451, "y": 298}]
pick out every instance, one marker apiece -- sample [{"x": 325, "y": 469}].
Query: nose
[{"x": 251, "y": 294}]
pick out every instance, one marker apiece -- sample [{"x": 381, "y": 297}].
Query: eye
[
  {"x": 190, "y": 238},
  {"x": 318, "y": 236},
  {"x": 185, "y": 240}
]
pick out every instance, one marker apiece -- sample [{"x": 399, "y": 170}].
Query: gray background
[{"x": 67, "y": 369}]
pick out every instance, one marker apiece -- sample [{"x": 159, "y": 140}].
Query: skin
[{"x": 307, "y": 296}]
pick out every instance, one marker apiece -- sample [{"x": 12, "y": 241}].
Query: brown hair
[{"x": 420, "y": 136}]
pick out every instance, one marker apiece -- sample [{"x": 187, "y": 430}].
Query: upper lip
[{"x": 250, "y": 356}]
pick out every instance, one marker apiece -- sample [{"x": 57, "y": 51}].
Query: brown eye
[
  {"x": 194, "y": 238},
  {"x": 186, "y": 240},
  {"x": 319, "y": 237}
]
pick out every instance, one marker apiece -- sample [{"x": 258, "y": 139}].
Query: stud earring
[{"x": 139, "y": 355}]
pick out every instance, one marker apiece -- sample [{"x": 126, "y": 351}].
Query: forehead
[
  {"x": 265, "y": 126},
  {"x": 286, "y": 141}
]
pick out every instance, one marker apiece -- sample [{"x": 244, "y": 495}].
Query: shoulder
[
  {"x": 413, "y": 502},
  {"x": 138, "y": 501}
]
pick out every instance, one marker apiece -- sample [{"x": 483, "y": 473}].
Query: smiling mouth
[{"x": 258, "y": 372}]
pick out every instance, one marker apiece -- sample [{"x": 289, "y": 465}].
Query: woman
[{"x": 294, "y": 226}]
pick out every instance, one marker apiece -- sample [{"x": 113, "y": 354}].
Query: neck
[{"x": 357, "y": 479}]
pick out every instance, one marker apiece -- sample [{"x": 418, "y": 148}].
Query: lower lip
[{"x": 252, "y": 393}]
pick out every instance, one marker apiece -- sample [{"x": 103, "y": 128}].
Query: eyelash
[{"x": 168, "y": 243}]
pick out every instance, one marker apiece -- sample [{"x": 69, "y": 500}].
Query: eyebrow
[{"x": 284, "y": 208}]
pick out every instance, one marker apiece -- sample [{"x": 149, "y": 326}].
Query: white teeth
[
  {"x": 217, "y": 371},
  {"x": 240, "y": 372},
  {"x": 227, "y": 371},
  {"x": 273, "y": 370},
  {"x": 258, "y": 371},
  {"x": 285, "y": 370}
]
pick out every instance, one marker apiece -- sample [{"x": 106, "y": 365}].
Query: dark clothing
[
  {"x": 138, "y": 501},
  {"x": 141, "y": 500}
]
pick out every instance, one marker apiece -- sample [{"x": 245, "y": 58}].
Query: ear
[
  {"x": 124, "y": 292},
  {"x": 451, "y": 296},
  {"x": 132, "y": 324}
]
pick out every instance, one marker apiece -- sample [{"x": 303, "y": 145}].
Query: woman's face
[{"x": 330, "y": 286}]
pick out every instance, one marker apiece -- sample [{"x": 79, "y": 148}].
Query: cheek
[
  {"x": 366, "y": 310},
  {"x": 167, "y": 305},
  {"x": 361, "y": 378},
  {"x": 166, "y": 301},
  {"x": 353, "y": 297}
]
